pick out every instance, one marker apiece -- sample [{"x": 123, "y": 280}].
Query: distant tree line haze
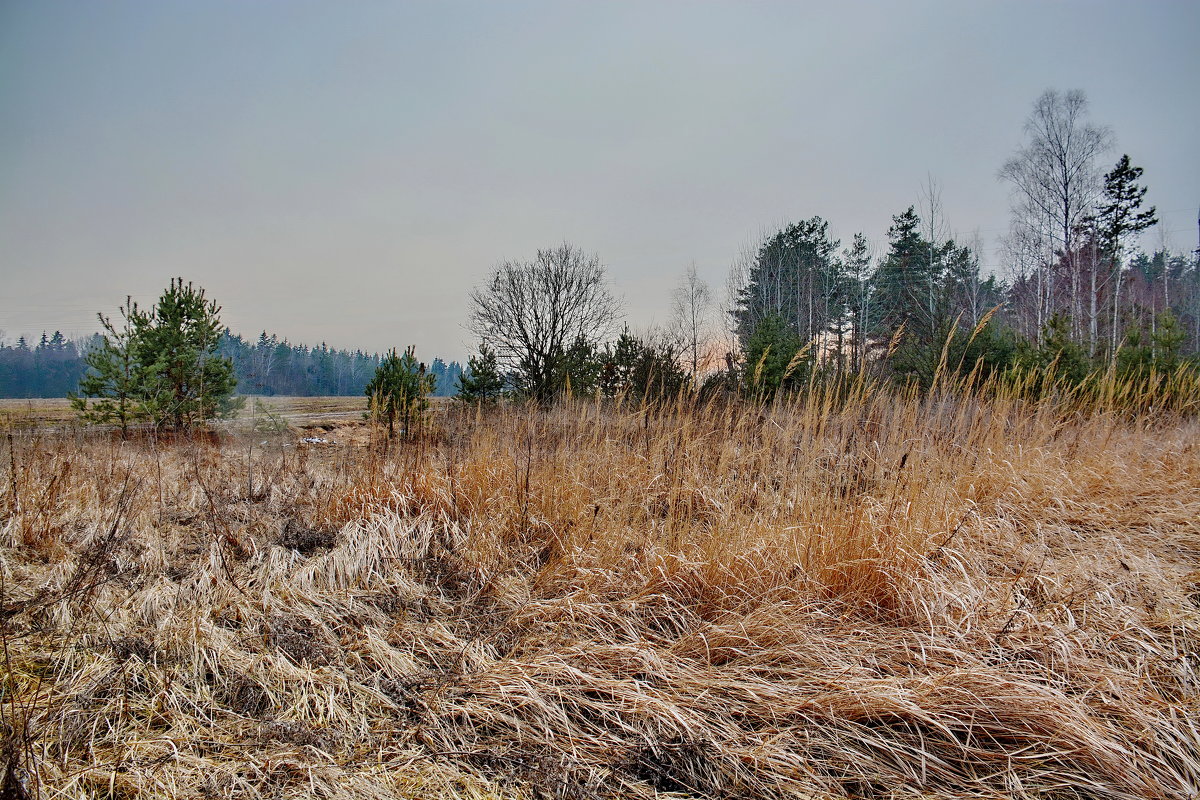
[
  {"x": 267, "y": 365},
  {"x": 270, "y": 366}
]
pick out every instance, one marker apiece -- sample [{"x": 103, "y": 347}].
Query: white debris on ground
[{"x": 314, "y": 440}]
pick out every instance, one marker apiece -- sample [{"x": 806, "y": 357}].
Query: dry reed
[{"x": 860, "y": 593}]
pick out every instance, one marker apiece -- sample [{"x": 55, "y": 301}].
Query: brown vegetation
[{"x": 886, "y": 595}]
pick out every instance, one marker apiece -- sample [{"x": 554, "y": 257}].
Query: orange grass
[{"x": 862, "y": 593}]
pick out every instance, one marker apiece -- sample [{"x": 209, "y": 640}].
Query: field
[
  {"x": 57, "y": 411},
  {"x": 880, "y": 595}
]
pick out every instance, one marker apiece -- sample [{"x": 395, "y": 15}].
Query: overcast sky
[{"x": 347, "y": 172}]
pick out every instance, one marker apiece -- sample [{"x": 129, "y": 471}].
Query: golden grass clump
[{"x": 861, "y": 593}]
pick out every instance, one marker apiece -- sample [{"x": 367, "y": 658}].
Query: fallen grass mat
[{"x": 884, "y": 596}]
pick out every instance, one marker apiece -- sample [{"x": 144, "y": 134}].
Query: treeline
[
  {"x": 924, "y": 307},
  {"x": 268, "y": 366},
  {"x": 1077, "y": 308},
  {"x": 1076, "y": 294},
  {"x": 51, "y": 368}
]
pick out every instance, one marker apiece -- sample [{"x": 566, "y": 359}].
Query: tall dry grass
[{"x": 859, "y": 593}]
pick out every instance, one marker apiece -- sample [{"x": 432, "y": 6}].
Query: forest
[{"x": 267, "y": 366}]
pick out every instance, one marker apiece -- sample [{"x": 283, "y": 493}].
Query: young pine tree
[
  {"x": 482, "y": 381},
  {"x": 185, "y": 380},
  {"x": 776, "y": 358},
  {"x": 114, "y": 375},
  {"x": 1168, "y": 341},
  {"x": 398, "y": 391}
]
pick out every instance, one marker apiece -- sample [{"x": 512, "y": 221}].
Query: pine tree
[
  {"x": 482, "y": 381},
  {"x": 185, "y": 380},
  {"x": 775, "y": 358},
  {"x": 1060, "y": 352},
  {"x": 398, "y": 391},
  {"x": 902, "y": 281},
  {"x": 162, "y": 365},
  {"x": 1168, "y": 342},
  {"x": 114, "y": 377},
  {"x": 856, "y": 261},
  {"x": 1120, "y": 217},
  {"x": 795, "y": 277}
]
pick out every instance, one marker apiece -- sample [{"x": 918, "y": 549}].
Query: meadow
[{"x": 861, "y": 593}]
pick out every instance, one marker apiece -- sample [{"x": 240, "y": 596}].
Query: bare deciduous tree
[
  {"x": 1056, "y": 181},
  {"x": 689, "y": 316},
  {"x": 532, "y": 312}
]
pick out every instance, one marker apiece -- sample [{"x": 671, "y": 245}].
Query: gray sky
[{"x": 347, "y": 172}]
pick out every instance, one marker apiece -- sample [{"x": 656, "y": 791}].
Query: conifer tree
[
  {"x": 482, "y": 381},
  {"x": 398, "y": 391},
  {"x": 185, "y": 380},
  {"x": 1168, "y": 341},
  {"x": 775, "y": 358},
  {"x": 162, "y": 365},
  {"x": 114, "y": 377},
  {"x": 1120, "y": 217}
]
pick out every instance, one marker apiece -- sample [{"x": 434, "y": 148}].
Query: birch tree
[
  {"x": 1055, "y": 183},
  {"x": 689, "y": 316}
]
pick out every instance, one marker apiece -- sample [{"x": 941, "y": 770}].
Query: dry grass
[
  {"x": 888, "y": 596},
  {"x": 56, "y": 412},
  {"x": 34, "y": 412}
]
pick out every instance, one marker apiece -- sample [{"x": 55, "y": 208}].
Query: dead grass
[
  {"x": 56, "y": 412},
  {"x": 886, "y": 596}
]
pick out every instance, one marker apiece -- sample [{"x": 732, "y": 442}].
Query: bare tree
[
  {"x": 1056, "y": 181},
  {"x": 930, "y": 205},
  {"x": 970, "y": 297},
  {"x": 689, "y": 316},
  {"x": 532, "y": 312}
]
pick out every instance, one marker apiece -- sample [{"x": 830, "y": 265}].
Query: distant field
[
  {"x": 296, "y": 411},
  {"x": 35, "y": 412}
]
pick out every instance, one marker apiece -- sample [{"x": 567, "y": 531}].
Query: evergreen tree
[
  {"x": 902, "y": 282},
  {"x": 1060, "y": 352},
  {"x": 398, "y": 390},
  {"x": 1119, "y": 217},
  {"x": 580, "y": 367},
  {"x": 794, "y": 277},
  {"x": 1168, "y": 342},
  {"x": 163, "y": 364},
  {"x": 856, "y": 262},
  {"x": 114, "y": 377},
  {"x": 482, "y": 381},
  {"x": 184, "y": 379},
  {"x": 640, "y": 369},
  {"x": 776, "y": 358}
]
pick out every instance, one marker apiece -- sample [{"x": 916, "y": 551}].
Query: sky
[{"x": 348, "y": 172}]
